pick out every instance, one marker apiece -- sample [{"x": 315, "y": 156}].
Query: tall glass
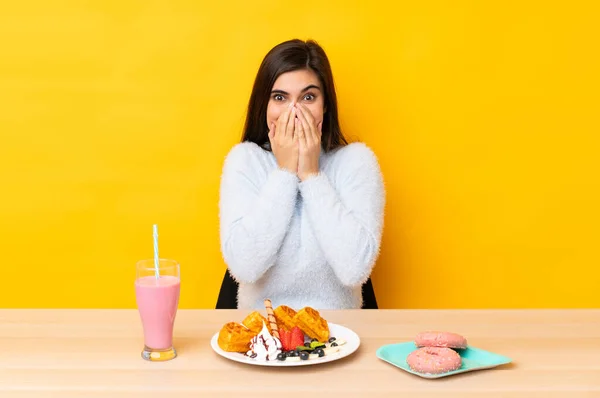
[{"x": 157, "y": 301}]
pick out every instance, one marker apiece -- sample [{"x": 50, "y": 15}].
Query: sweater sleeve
[
  {"x": 255, "y": 208},
  {"x": 347, "y": 219}
]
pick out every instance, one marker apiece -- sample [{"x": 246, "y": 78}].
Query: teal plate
[{"x": 472, "y": 359}]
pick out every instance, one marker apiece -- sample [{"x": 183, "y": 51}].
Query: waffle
[
  {"x": 254, "y": 322},
  {"x": 234, "y": 337},
  {"x": 285, "y": 317},
  {"x": 312, "y": 324}
]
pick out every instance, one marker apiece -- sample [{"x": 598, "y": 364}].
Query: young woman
[{"x": 301, "y": 210}]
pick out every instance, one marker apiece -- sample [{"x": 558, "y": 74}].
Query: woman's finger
[
  {"x": 282, "y": 123},
  {"x": 299, "y": 133},
  {"x": 272, "y": 131},
  {"x": 296, "y": 138},
  {"x": 289, "y": 133},
  {"x": 300, "y": 136},
  {"x": 310, "y": 121},
  {"x": 305, "y": 123},
  {"x": 309, "y": 117}
]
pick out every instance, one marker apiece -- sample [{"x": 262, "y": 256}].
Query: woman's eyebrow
[{"x": 305, "y": 89}]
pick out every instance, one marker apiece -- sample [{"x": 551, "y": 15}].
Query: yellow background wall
[{"x": 115, "y": 115}]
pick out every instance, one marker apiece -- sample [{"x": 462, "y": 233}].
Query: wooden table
[{"x": 96, "y": 353}]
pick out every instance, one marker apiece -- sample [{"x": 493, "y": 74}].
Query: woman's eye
[
  {"x": 309, "y": 97},
  {"x": 278, "y": 97}
]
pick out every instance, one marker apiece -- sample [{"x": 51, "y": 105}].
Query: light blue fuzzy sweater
[{"x": 311, "y": 243}]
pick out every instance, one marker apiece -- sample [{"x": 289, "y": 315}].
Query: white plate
[{"x": 337, "y": 331}]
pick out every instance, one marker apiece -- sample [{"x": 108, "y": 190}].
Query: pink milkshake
[{"x": 157, "y": 301}]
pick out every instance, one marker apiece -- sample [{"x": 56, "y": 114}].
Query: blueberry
[
  {"x": 334, "y": 344},
  {"x": 304, "y": 355},
  {"x": 320, "y": 352},
  {"x": 331, "y": 340},
  {"x": 307, "y": 344},
  {"x": 281, "y": 356},
  {"x": 293, "y": 353}
]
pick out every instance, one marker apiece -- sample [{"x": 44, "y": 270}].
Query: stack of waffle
[{"x": 235, "y": 337}]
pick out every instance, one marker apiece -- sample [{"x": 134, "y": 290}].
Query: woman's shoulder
[
  {"x": 357, "y": 153},
  {"x": 245, "y": 152},
  {"x": 246, "y": 148}
]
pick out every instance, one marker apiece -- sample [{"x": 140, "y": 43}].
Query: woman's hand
[
  {"x": 284, "y": 142},
  {"x": 309, "y": 138}
]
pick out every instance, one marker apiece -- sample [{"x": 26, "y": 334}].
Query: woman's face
[{"x": 300, "y": 86}]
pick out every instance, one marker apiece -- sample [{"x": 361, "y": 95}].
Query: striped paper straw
[{"x": 156, "y": 252}]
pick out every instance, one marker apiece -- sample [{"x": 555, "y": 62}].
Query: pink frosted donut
[
  {"x": 440, "y": 339},
  {"x": 434, "y": 360}
]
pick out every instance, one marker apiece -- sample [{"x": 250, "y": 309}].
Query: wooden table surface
[{"x": 96, "y": 353}]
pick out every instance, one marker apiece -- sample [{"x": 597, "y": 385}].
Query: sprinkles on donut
[{"x": 434, "y": 360}]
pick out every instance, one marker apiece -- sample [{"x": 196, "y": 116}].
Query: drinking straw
[{"x": 156, "y": 252}]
